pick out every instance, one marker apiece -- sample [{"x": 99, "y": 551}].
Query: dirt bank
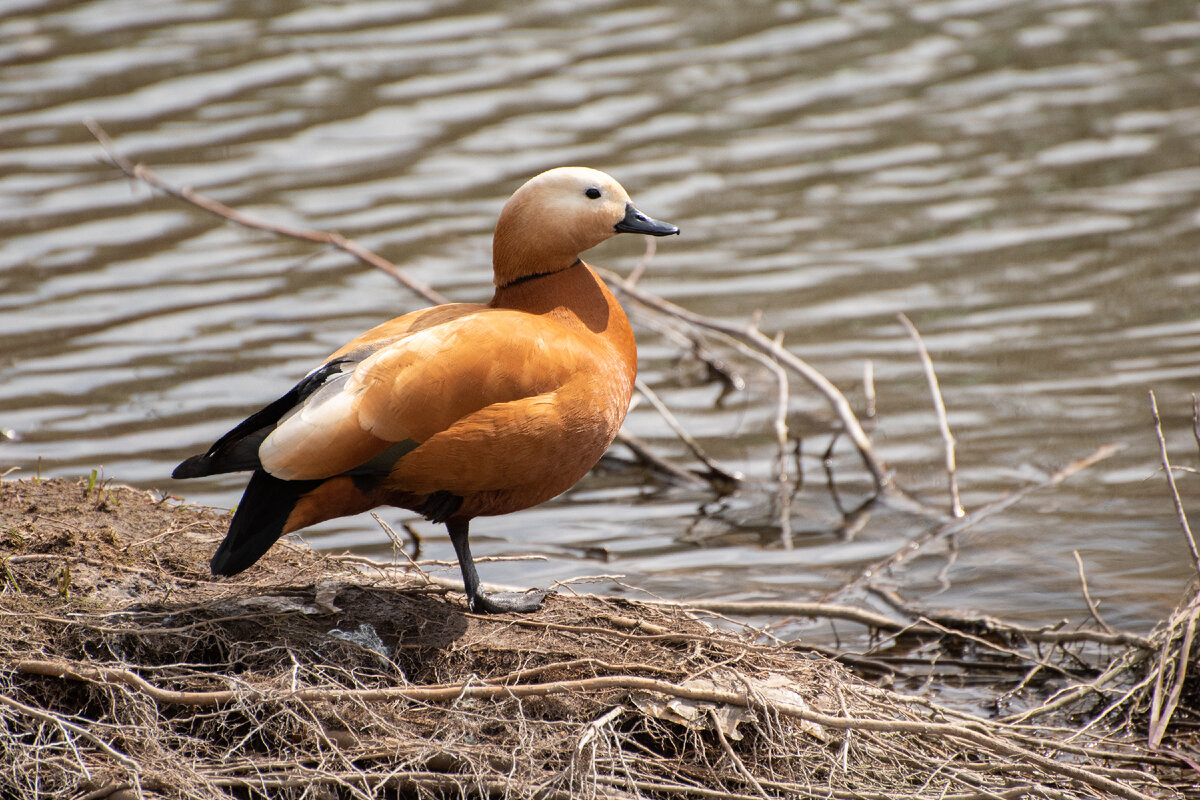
[{"x": 129, "y": 670}]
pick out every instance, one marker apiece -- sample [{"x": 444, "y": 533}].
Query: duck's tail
[{"x": 259, "y": 521}]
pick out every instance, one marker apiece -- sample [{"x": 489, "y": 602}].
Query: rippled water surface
[{"x": 1021, "y": 178}]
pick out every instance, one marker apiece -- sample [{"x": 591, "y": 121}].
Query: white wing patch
[{"x": 321, "y": 437}]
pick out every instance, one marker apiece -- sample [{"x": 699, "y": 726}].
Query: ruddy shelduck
[{"x": 460, "y": 410}]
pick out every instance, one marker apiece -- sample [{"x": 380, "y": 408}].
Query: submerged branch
[{"x": 939, "y": 532}]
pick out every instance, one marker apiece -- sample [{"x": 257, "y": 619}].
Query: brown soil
[{"x": 128, "y": 670}]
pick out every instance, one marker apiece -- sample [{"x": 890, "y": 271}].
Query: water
[{"x": 1022, "y": 179}]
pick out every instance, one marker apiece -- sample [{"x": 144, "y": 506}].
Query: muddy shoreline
[{"x": 130, "y": 672}]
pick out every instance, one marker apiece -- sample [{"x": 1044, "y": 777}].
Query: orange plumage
[{"x": 461, "y": 410}]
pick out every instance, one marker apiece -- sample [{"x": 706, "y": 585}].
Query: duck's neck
[
  {"x": 576, "y": 297},
  {"x": 532, "y": 276},
  {"x": 526, "y": 242}
]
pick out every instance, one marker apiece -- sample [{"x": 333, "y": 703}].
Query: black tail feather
[
  {"x": 237, "y": 450},
  {"x": 230, "y": 456},
  {"x": 258, "y": 522}
]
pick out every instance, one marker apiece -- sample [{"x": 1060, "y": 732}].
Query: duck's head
[{"x": 559, "y": 214}]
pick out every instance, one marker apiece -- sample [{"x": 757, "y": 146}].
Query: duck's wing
[
  {"x": 238, "y": 449},
  {"x": 420, "y": 384}
]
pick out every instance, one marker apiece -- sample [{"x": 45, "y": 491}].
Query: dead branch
[
  {"x": 939, "y": 408},
  {"x": 694, "y": 344},
  {"x": 934, "y": 624},
  {"x": 869, "y": 398},
  {"x": 147, "y": 176},
  {"x": 718, "y": 476},
  {"x": 1166, "y": 462},
  {"x": 1196, "y": 418},
  {"x": 782, "y": 481},
  {"x": 987, "y": 624},
  {"x": 71, "y": 727},
  {"x": 731, "y": 754},
  {"x": 660, "y": 465},
  {"x": 751, "y": 335},
  {"x": 1164, "y": 701},
  {"x": 1087, "y": 596}
]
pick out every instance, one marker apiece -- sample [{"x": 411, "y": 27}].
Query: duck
[{"x": 460, "y": 410}]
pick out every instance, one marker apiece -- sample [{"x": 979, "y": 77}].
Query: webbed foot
[{"x": 505, "y": 602}]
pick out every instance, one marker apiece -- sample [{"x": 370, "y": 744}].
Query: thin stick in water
[
  {"x": 781, "y": 437},
  {"x": 1087, "y": 596},
  {"x": 1166, "y": 462},
  {"x": 939, "y": 407},
  {"x": 869, "y": 389}
]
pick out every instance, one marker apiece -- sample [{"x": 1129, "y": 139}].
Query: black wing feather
[{"x": 238, "y": 449}]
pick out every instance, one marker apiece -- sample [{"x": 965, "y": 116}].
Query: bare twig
[
  {"x": 939, "y": 408},
  {"x": 146, "y": 175},
  {"x": 1196, "y": 418},
  {"x": 593, "y": 728},
  {"x": 731, "y": 754},
  {"x": 660, "y": 465},
  {"x": 66, "y": 725},
  {"x": 751, "y": 335},
  {"x": 990, "y": 625},
  {"x": 1072, "y": 694},
  {"x": 397, "y": 542},
  {"x": 869, "y": 389},
  {"x": 717, "y": 475},
  {"x": 1091, "y": 604},
  {"x": 1166, "y": 462},
  {"x": 693, "y": 342},
  {"x": 783, "y": 482},
  {"x": 1163, "y": 703}
]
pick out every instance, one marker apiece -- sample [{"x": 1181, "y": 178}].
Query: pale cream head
[{"x": 557, "y": 215}]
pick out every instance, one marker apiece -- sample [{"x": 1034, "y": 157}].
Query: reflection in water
[{"x": 1018, "y": 177}]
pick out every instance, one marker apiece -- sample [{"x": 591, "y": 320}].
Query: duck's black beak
[{"x": 637, "y": 222}]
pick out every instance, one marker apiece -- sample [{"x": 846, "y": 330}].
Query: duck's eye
[{"x": 593, "y": 192}]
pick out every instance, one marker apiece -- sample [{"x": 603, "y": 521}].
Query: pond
[{"x": 1021, "y": 179}]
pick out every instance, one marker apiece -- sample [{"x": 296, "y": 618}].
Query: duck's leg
[{"x": 479, "y": 602}]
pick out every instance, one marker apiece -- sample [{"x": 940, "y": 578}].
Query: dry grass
[{"x": 129, "y": 671}]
